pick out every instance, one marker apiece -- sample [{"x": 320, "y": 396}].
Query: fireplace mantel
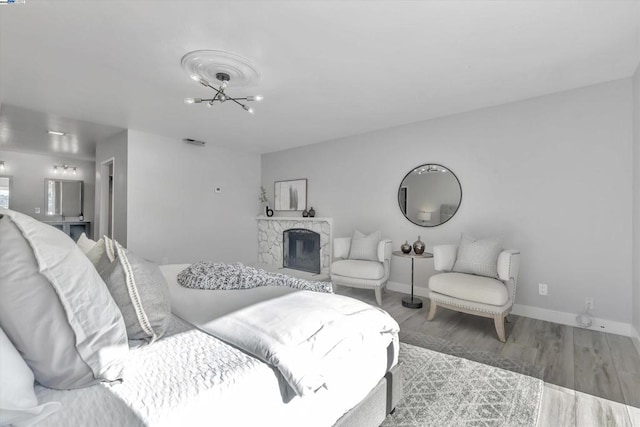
[{"x": 270, "y": 238}]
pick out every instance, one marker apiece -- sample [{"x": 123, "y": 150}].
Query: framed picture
[{"x": 291, "y": 195}]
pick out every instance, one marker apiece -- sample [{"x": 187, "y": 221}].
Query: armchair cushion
[
  {"x": 364, "y": 247},
  {"x": 361, "y": 269},
  {"x": 444, "y": 256},
  {"x": 478, "y": 256},
  {"x": 470, "y": 288}
]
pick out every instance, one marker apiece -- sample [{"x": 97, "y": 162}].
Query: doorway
[{"x": 106, "y": 223}]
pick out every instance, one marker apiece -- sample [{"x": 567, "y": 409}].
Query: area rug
[
  {"x": 444, "y": 346},
  {"x": 444, "y": 390}
]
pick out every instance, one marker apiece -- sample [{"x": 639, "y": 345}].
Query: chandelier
[
  {"x": 220, "y": 95},
  {"x": 215, "y": 69}
]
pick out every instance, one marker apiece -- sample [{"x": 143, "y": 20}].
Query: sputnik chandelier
[
  {"x": 215, "y": 69},
  {"x": 220, "y": 95}
]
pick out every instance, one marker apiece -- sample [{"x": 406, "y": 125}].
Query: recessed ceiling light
[{"x": 53, "y": 132}]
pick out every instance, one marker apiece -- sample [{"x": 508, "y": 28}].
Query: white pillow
[
  {"x": 364, "y": 247},
  {"x": 85, "y": 244},
  {"x": 478, "y": 256},
  {"x": 18, "y": 401}
]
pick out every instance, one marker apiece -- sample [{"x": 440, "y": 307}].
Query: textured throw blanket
[
  {"x": 307, "y": 335},
  {"x": 220, "y": 276}
]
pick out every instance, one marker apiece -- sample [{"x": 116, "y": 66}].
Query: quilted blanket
[
  {"x": 327, "y": 329},
  {"x": 221, "y": 276}
]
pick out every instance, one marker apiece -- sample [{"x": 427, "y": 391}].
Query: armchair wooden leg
[
  {"x": 379, "y": 296},
  {"x": 499, "y": 322},
  {"x": 432, "y": 310}
]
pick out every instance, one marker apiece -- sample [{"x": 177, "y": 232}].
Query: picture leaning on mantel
[{"x": 291, "y": 195}]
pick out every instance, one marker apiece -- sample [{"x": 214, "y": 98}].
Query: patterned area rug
[
  {"x": 488, "y": 358},
  {"x": 445, "y": 390}
]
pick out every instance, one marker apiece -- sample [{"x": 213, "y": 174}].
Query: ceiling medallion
[{"x": 209, "y": 67}]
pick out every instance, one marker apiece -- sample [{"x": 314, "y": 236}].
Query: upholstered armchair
[
  {"x": 358, "y": 273},
  {"x": 474, "y": 294}
]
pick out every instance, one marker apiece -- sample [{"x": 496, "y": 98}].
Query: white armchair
[
  {"x": 468, "y": 293},
  {"x": 358, "y": 273}
]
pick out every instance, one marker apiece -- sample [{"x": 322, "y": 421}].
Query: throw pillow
[
  {"x": 364, "y": 246},
  {"x": 55, "y": 308},
  {"x": 141, "y": 291},
  {"x": 478, "y": 256},
  {"x": 85, "y": 244},
  {"x": 18, "y": 401}
]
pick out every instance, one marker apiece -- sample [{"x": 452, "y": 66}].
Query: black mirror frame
[{"x": 400, "y": 189}]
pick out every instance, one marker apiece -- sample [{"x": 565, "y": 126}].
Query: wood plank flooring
[{"x": 591, "y": 378}]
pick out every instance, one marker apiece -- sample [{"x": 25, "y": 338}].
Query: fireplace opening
[{"x": 301, "y": 250}]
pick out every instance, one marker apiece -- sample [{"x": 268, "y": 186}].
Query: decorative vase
[
  {"x": 305, "y": 213},
  {"x": 268, "y": 211},
  {"x": 418, "y": 246},
  {"x": 312, "y": 212},
  {"x": 406, "y": 247}
]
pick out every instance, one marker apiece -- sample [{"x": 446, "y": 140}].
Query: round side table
[{"x": 412, "y": 302}]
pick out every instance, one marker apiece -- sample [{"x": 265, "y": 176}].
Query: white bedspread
[
  {"x": 189, "y": 378},
  {"x": 306, "y": 335}
]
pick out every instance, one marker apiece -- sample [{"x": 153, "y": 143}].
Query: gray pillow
[
  {"x": 141, "y": 291},
  {"x": 55, "y": 308},
  {"x": 478, "y": 256},
  {"x": 364, "y": 247}
]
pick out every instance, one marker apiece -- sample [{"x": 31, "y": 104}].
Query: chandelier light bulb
[
  {"x": 258, "y": 98},
  {"x": 75, "y": 171},
  {"x": 250, "y": 110},
  {"x": 55, "y": 169},
  {"x": 189, "y": 100},
  {"x": 210, "y": 104},
  {"x": 196, "y": 78}
]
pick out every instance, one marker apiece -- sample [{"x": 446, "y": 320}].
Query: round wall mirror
[{"x": 429, "y": 195}]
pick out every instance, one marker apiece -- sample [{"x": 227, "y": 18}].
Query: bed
[{"x": 189, "y": 377}]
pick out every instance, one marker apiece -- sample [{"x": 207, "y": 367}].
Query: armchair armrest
[
  {"x": 508, "y": 264},
  {"x": 444, "y": 256},
  {"x": 385, "y": 247},
  {"x": 341, "y": 247}
]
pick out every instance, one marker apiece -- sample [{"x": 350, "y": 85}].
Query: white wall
[
  {"x": 29, "y": 170},
  {"x": 114, "y": 147},
  {"x": 174, "y": 214},
  {"x": 636, "y": 204},
  {"x": 552, "y": 175}
]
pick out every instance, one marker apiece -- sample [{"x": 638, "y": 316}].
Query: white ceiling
[{"x": 329, "y": 69}]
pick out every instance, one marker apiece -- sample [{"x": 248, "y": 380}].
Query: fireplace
[{"x": 301, "y": 250}]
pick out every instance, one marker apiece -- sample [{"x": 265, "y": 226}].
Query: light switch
[{"x": 37, "y": 210}]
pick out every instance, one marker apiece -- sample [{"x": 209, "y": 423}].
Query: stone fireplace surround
[{"x": 270, "y": 238}]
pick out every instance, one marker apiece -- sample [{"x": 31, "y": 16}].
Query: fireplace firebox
[{"x": 301, "y": 250}]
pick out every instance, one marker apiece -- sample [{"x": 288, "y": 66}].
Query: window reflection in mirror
[
  {"x": 429, "y": 195},
  {"x": 63, "y": 197},
  {"x": 5, "y": 191}
]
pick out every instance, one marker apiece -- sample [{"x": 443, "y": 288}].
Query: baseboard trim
[
  {"x": 564, "y": 318},
  {"x": 561, "y": 317}
]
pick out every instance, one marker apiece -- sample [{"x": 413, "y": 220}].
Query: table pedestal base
[{"x": 412, "y": 302}]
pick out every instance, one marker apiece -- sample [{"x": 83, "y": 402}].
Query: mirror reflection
[
  {"x": 429, "y": 195},
  {"x": 63, "y": 197}
]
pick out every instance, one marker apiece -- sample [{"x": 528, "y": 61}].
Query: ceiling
[{"x": 328, "y": 69}]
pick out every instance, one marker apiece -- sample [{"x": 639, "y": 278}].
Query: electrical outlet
[
  {"x": 543, "y": 289},
  {"x": 588, "y": 301},
  {"x": 37, "y": 210}
]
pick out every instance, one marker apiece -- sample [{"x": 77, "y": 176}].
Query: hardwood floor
[{"x": 591, "y": 378}]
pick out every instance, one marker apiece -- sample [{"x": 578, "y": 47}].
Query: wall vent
[{"x": 194, "y": 142}]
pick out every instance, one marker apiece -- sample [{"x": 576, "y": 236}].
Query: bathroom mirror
[
  {"x": 429, "y": 195},
  {"x": 63, "y": 197}
]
